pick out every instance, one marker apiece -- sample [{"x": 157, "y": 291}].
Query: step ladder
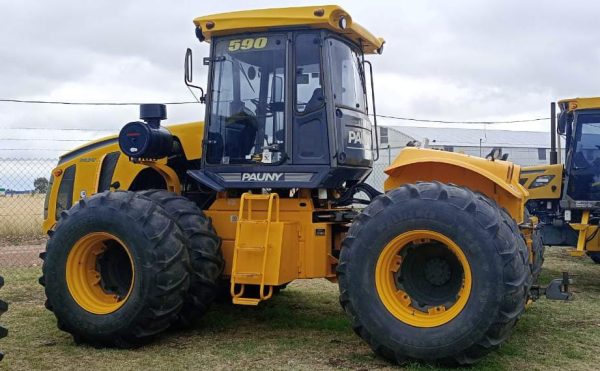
[
  {"x": 258, "y": 232},
  {"x": 582, "y": 228}
]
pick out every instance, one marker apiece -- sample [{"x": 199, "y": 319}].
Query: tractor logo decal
[
  {"x": 355, "y": 137},
  {"x": 262, "y": 177}
]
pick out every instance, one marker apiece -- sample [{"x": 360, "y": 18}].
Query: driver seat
[{"x": 240, "y": 134}]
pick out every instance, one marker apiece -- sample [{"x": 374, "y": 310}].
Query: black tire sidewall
[
  {"x": 486, "y": 270},
  {"x": 204, "y": 250},
  {"x": 82, "y": 222}
]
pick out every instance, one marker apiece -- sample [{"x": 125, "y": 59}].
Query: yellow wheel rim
[
  {"x": 100, "y": 273},
  {"x": 393, "y": 284}
]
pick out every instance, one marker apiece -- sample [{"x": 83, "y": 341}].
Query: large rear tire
[
  {"x": 115, "y": 270},
  {"x": 204, "y": 249},
  {"x": 433, "y": 272}
]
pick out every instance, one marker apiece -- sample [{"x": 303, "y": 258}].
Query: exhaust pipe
[{"x": 553, "y": 153}]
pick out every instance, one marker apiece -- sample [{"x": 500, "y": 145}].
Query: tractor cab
[
  {"x": 286, "y": 104},
  {"x": 579, "y": 122}
]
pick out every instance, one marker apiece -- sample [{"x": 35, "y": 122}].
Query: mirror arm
[
  {"x": 374, "y": 111},
  {"x": 188, "y": 76}
]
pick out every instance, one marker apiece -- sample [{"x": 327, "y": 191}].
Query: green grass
[{"x": 302, "y": 328}]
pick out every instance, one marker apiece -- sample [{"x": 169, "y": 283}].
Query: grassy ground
[
  {"x": 302, "y": 328},
  {"x": 21, "y": 216}
]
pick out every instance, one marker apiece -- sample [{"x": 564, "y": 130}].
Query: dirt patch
[
  {"x": 20, "y": 256},
  {"x": 21, "y": 241}
]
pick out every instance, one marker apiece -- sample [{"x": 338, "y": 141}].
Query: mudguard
[{"x": 498, "y": 180}]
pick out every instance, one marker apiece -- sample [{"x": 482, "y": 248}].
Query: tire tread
[{"x": 512, "y": 250}]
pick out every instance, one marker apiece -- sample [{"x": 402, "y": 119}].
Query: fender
[
  {"x": 498, "y": 180},
  {"x": 86, "y": 168}
]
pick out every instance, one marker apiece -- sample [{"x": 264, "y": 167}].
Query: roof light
[
  {"x": 57, "y": 173},
  {"x": 343, "y": 22},
  {"x": 319, "y": 12},
  {"x": 210, "y": 25}
]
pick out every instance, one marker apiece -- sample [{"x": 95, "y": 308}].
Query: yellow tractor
[
  {"x": 148, "y": 226},
  {"x": 566, "y": 198}
]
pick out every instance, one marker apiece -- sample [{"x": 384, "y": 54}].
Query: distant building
[{"x": 525, "y": 148}]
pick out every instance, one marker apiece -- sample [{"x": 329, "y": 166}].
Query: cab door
[
  {"x": 353, "y": 127},
  {"x": 310, "y": 136}
]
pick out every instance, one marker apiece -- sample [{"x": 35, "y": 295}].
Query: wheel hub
[{"x": 437, "y": 271}]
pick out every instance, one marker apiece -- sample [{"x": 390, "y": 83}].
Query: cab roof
[
  {"x": 325, "y": 17},
  {"x": 579, "y": 103}
]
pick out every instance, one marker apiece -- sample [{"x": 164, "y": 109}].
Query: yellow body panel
[
  {"x": 580, "y": 103},
  {"x": 308, "y": 16},
  {"x": 499, "y": 180},
  {"x": 88, "y": 161},
  {"x": 552, "y": 190},
  {"x": 190, "y": 136},
  {"x": 315, "y": 240}
]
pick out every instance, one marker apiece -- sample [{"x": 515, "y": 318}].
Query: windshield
[
  {"x": 246, "y": 123},
  {"x": 348, "y": 88},
  {"x": 584, "y": 177}
]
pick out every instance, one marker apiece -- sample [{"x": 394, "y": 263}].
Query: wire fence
[
  {"x": 23, "y": 186},
  {"x": 24, "y": 182}
]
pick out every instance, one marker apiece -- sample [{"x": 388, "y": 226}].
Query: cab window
[
  {"x": 247, "y": 110},
  {"x": 309, "y": 92},
  {"x": 348, "y": 87}
]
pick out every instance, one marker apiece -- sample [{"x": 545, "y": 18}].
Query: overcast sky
[{"x": 450, "y": 60}]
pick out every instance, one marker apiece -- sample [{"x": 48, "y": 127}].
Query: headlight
[
  {"x": 541, "y": 181},
  {"x": 343, "y": 22}
]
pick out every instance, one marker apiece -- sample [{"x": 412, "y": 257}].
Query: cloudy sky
[{"x": 449, "y": 60}]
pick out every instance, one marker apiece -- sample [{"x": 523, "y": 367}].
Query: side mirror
[
  {"x": 188, "y": 64},
  {"x": 562, "y": 123},
  {"x": 188, "y": 75}
]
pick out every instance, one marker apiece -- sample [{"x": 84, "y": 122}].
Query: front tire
[
  {"x": 204, "y": 249},
  {"x": 115, "y": 270},
  {"x": 434, "y": 273}
]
